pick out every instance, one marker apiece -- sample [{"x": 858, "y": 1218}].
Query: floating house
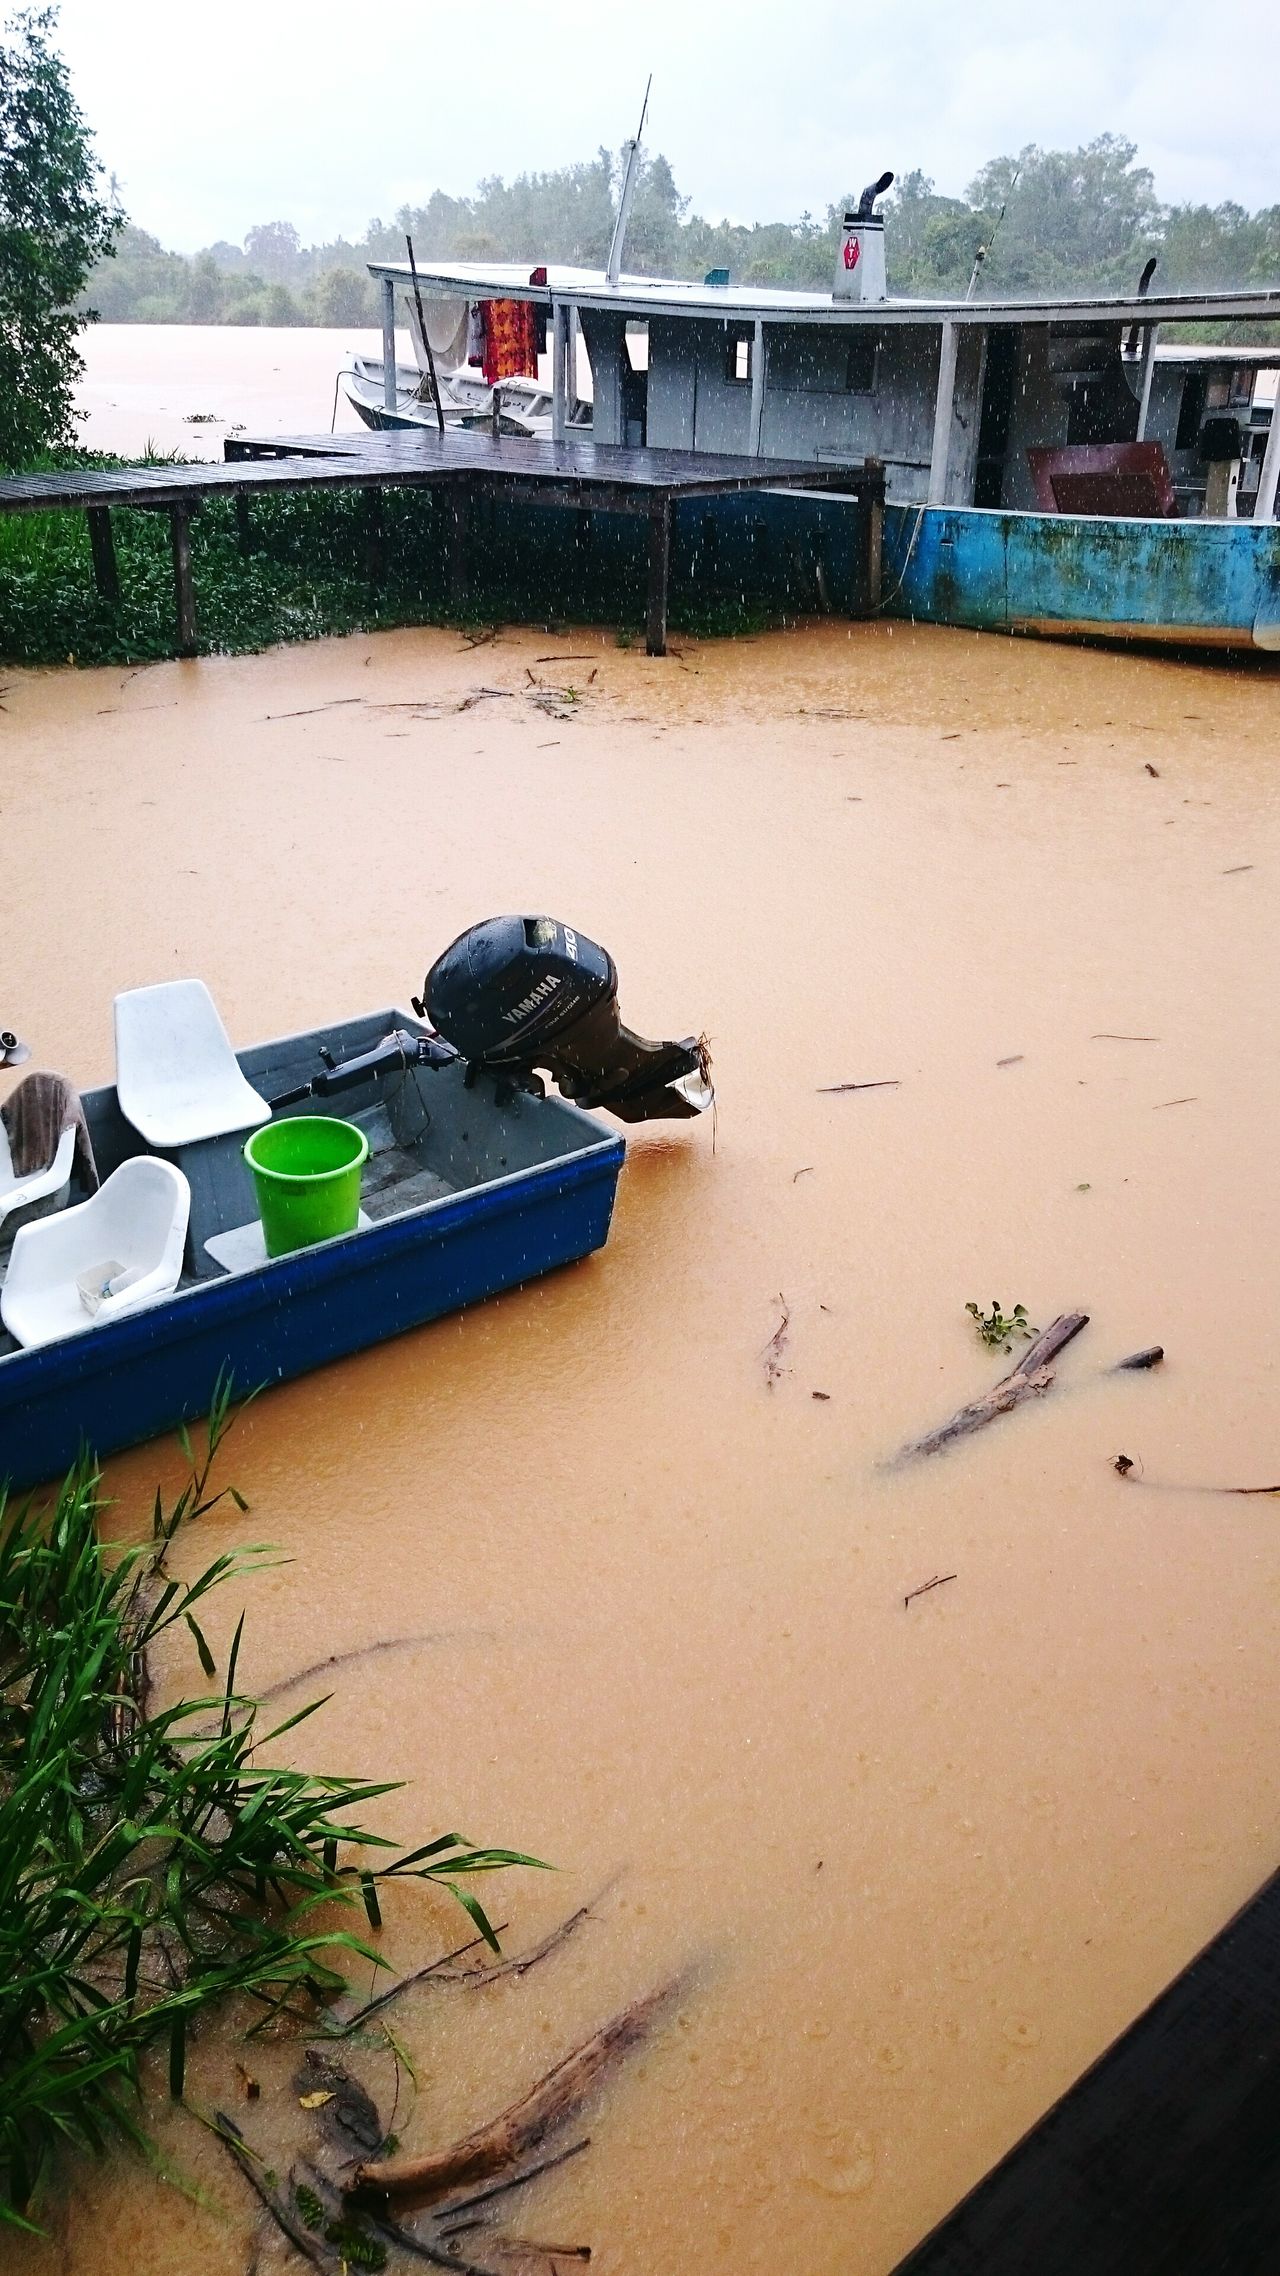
[{"x": 1051, "y": 465}]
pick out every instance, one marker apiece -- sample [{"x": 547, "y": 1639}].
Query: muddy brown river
[{"x": 922, "y": 1861}]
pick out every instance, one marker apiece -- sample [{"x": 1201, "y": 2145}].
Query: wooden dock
[
  {"x": 465, "y": 463},
  {"x": 1164, "y": 2159}
]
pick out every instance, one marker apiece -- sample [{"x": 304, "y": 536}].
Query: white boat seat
[
  {"x": 177, "y": 1078},
  {"x": 131, "y": 1232},
  {"x": 41, "y": 1185}
]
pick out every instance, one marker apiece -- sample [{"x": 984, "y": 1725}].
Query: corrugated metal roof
[{"x": 660, "y": 296}]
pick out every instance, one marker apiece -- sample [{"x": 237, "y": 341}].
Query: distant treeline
[{"x": 1054, "y": 220}]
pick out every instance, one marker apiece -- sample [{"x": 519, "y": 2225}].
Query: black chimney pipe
[{"x": 873, "y": 191}]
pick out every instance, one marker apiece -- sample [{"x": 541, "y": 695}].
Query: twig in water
[
  {"x": 1123, "y": 1464},
  {"x": 488, "y": 1972},
  {"x": 829, "y": 1090},
  {"x": 1014, "y": 1061},
  {"x": 1239, "y": 869},
  {"x": 1150, "y": 1356},
  {"x": 443, "y": 1971},
  {"x": 1174, "y": 1102},
  {"x": 1104, "y": 1037},
  {"x": 939, "y": 1580},
  {"x": 434, "y": 1968},
  {"x": 250, "y": 2165},
  {"x": 335, "y": 704},
  {"x": 807, "y": 1171},
  {"x": 773, "y": 1350}
]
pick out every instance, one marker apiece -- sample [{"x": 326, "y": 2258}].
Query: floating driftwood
[
  {"x": 520, "y": 2130},
  {"x": 1033, "y": 1374},
  {"x": 1150, "y": 1356}
]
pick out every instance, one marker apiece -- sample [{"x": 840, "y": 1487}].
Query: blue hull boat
[
  {"x": 469, "y": 1188},
  {"x": 1186, "y": 584}
]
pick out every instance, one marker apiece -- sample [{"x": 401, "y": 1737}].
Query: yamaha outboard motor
[{"x": 517, "y": 993}]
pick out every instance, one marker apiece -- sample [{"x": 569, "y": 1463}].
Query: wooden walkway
[
  {"x": 465, "y": 462},
  {"x": 1164, "y": 2159}
]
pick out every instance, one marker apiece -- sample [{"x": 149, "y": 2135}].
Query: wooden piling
[
  {"x": 102, "y": 545},
  {"x": 183, "y": 590},
  {"x": 459, "y": 522},
  {"x": 660, "y": 521},
  {"x": 873, "y": 499},
  {"x": 375, "y": 559}
]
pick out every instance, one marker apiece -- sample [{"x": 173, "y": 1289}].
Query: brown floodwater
[{"x": 923, "y": 1862}]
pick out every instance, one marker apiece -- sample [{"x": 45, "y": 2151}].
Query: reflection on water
[{"x": 925, "y": 1860}]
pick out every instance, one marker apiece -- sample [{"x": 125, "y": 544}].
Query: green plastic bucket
[{"x": 307, "y": 1174}]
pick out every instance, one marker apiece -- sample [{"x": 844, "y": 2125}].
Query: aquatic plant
[
  {"x": 997, "y": 1332},
  {"x": 152, "y": 1866}
]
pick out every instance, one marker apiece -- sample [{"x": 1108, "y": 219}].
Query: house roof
[{"x": 642, "y": 297}]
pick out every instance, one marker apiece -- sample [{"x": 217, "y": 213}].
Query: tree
[
  {"x": 273, "y": 249},
  {"x": 343, "y": 296},
  {"x": 54, "y": 225},
  {"x": 1077, "y": 220}
]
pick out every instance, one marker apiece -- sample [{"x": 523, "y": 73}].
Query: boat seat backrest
[
  {"x": 41, "y": 1186},
  {"x": 177, "y": 1078},
  {"x": 133, "y": 1229}
]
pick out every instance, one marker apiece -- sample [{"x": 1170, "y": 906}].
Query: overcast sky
[{"x": 325, "y": 112}]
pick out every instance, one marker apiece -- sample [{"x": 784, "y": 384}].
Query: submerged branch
[{"x": 335, "y": 1660}]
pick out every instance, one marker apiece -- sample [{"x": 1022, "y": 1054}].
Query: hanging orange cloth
[{"x": 510, "y": 340}]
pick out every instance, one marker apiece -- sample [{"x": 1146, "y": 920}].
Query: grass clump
[{"x": 152, "y": 1867}]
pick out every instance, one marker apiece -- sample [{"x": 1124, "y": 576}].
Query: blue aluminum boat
[{"x": 472, "y": 1185}]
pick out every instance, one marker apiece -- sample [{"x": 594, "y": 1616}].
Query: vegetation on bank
[
  {"x": 54, "y": 226},
  {"x": 153, "y": 1868},
  {"x": 313, "y": 570},
  {"x": 1073, "y": 221}
]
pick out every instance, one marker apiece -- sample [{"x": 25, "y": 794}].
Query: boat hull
[
  {"x": 1182, "y": 583},
  {"x": 114, "y": 1386}
]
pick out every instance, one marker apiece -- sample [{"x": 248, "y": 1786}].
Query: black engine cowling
[{"x": 518, "y": 993}]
